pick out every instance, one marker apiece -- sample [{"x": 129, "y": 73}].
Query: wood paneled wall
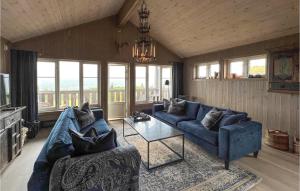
[
  {"x": 5, "y": 56},
  {"x": 94, "y": 41},
  {"x": 273, "y": 110}
]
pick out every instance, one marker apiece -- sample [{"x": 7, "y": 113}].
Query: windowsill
[
  {"x": 203, "y": 79},
  {"x": 49, "y": 111},
  {"x": 146, "y": 102},
  {"x": 251, "y": 79}
]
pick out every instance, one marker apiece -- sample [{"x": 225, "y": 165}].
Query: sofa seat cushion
[
  {"x": 197, "y": 129},
  {"x": 170, "y": 118},
  {"x": 100, "y": 126}
]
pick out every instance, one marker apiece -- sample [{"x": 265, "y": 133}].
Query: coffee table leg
[
  {"x": 182, "y": 146},
  {"x": 148, "y": 151},
  {"x": 123, "y": 129}
]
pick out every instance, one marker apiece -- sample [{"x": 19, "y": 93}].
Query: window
[
  {"x": 140, "y": 83},
  {"x": 257, "y": 67},
  {"x": 166, "y": 87},
  {"x": 150, "y": 83},
  {"x": 249, "y": 67},
  {"x": 208, "y": 70},
  {"x": 154, "y": 82},
  {"x": 90, "y": 83},
  {"x": 237, "y": 69},
  {"x": 68, "y": 83},
  {"x": 202, "y": 72},
  {"x": 46, "y": 85},
  {"x": 64, "y": 83}
]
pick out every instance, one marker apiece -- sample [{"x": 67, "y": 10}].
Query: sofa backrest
[
  {"x": 203, "y": 110},
  {"x": 191, "y": 109}
]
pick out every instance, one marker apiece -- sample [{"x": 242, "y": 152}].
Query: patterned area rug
[{"x": 199, "y": 170}]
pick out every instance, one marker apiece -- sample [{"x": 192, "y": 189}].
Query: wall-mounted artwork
[
  {"x": 284, "y": 71},
  {"x": 283, "y": 68}
]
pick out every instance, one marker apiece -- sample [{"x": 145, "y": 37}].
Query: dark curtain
[
  {"x": 24, "y": 82},
  {"x": 177, "y": 79}
]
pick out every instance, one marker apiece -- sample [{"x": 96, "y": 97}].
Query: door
[{"x": 117, "y": 91}]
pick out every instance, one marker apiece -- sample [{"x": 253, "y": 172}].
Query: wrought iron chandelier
[{"x": 143, "y": 50}]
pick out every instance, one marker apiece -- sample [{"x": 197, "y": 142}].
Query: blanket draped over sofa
[{"x": 116, "y": 169}]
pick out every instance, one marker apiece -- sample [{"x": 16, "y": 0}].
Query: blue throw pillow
[
  {"x": 88, "y": 145},
  {"x": 231, "y": 119},
  {"x": 203, "y": 110}
]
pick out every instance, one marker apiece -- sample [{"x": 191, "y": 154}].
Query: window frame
[
  {"x": 208, "y": 65},
  {"x": 148, "y": 99},
  {"x": 57, "y": 82},
  {"x": 246, "y": 65}
]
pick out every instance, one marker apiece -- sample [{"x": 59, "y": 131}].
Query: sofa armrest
[
  {"x": 238, "y": 140},
  {"x": 98, "y": 113},
  {"x": 157, "y": 107},
  {"x": 117, "y": 169}
]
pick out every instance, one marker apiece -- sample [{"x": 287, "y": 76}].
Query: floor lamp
[{"x": 167, "y": 83}]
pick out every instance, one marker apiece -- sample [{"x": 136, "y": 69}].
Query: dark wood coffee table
[{"x": 155, "y": 130}]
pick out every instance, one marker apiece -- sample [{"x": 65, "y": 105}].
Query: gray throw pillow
[
  {"x": 166, "y": 104},
  {"x": 211, "y": 118},
  {"x": 84, "y": 115},
  {"x": 176, "y": 108}
]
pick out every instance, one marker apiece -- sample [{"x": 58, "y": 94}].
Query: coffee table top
[{"x": 154, "y": 129}]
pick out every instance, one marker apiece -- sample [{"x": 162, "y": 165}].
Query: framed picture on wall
[{"x": 284, "y": 71}]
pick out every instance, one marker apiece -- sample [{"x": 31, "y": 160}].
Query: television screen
[{"x": 5, "y": 89}]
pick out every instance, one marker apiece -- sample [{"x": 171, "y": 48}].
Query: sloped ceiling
[
  {"x": 186, "y": 27},
  {"x": 193, "y": 27},
  {"x": 22, "y": 19}
]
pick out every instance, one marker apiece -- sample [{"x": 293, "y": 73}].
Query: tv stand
[{"x": 10, "y": 135}]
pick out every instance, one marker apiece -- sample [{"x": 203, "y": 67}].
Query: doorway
[{"x": 117, "y": 91}]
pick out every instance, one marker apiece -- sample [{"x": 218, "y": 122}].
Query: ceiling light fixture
[{"x": 143, "y": 50}]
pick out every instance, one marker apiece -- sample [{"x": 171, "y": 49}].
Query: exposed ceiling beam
[{"x": 126, "y": 11}]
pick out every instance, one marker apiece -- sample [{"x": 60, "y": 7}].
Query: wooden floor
[{"x": 279, "y": 170}]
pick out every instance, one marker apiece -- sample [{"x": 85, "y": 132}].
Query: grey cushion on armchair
[{"x": 116, "y": 170}]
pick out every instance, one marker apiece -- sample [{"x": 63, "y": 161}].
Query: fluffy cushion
[
  {"x": 166, "y": 104},
  {"x": 176, "y": 108},
  {"x": 84, "y": 115},
  {"x": 87, "y": 145},
  {"x": 211, "y": 118}
]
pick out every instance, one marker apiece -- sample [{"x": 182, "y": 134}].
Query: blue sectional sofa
[
  {"x": 98, "y": 171},
  {"x": 229, "y": 143}
]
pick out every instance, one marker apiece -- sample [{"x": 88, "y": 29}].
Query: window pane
[
  {"x": 140, "y": 83},
  {"x": 46, "y": 85},
  {"x": 202, "y": 72},
  {"x": 90, "y": 83},
  {"x": 154, "y": 82},
  {"x": 68, "y": 83},
  {"x": 214, "y": 68},
  {"x": 166, "y": 89},
  {"x": 117, "y": 71},
  {"x": 46, "y": 93},
  {"x": 45, "y": 69},
  {"x": 90, "y": 70},
  {"x": 257, "y": 67},
  {"x": 237, "y": 68}
]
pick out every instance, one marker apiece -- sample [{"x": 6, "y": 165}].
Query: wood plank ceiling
[
  {"x": 193, "y": 27},
  {"x": 22, "y": 19},
  {"x": 188, "y": 28}
]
